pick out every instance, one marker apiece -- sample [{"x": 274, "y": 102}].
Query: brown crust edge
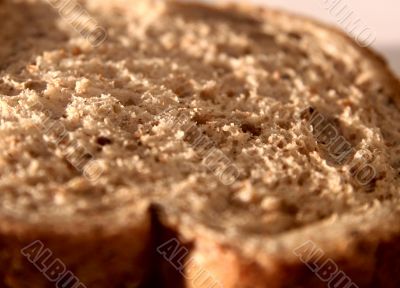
[
  {"x": 217, "y": 266},
  {"x": 90, "y": 254}
]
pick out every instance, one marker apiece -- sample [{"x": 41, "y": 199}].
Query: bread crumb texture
[{"x": 243, "y": 80}]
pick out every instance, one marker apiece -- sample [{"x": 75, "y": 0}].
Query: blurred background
[{"x": 380, "y": 18}]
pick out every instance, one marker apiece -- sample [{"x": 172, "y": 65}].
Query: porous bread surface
[
  {"x": 243, "y": 80},
  {"x": 240, "y": 80}
]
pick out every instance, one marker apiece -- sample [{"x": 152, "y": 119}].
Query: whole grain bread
[{"x": 248, "y": 135}]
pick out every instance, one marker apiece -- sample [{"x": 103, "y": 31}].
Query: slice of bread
[{"x": 258, "y": 139}]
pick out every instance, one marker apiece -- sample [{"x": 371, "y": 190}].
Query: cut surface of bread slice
[{"x": 254, "y": 133}]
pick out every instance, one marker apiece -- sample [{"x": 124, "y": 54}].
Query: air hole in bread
[
  {"x": 252, "y": 129},
  {"x": 9, "y": 90},
  {"x": 103, "y": 141},
  {"x": 295, "y": 35},
  {"x": 37, "y": 86},
  {"x": 200, "y": 119}
]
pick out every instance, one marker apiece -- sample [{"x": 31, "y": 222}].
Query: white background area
[{"x": 382, "y": 17}]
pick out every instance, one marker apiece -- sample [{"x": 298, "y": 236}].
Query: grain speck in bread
[{"x": 242, "y": 76}]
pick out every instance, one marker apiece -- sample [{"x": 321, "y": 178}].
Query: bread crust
[
  {"x": 98, "y": 256},
  {"x": 366, "y": 259},
  {"x": 229, "y": 269}
]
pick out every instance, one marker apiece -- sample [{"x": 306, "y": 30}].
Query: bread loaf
[{"x": 247, "y": 136}]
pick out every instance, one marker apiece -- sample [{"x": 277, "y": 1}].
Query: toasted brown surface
[
  {"x": 140, "y": 117},
  {"x": 97, "y": 256}
]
